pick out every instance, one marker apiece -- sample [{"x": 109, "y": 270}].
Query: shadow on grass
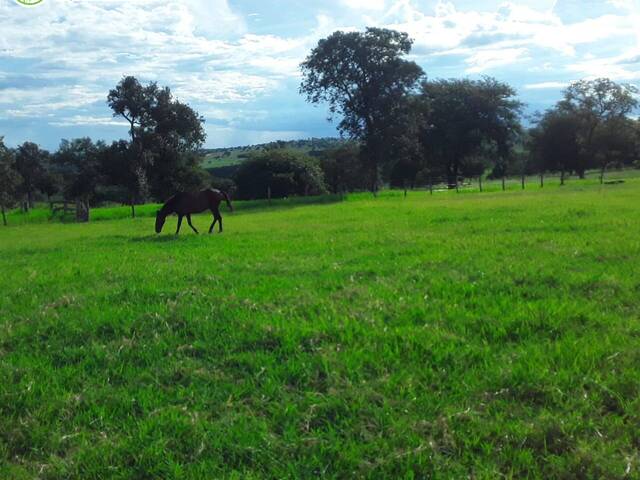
[{"x": 154, "y": 238}]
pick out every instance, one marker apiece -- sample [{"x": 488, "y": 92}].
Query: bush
[
  {"x": 286, "y": 172},
  {"x": 343, "y": 169}
]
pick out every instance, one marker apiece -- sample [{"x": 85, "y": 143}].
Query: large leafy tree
[
  {"x": 9, "y": 180},
  {"x": 597, "y": 105},
  {"x": 365, "y": 81},
  {"x": 468, "y": 121},
  {"x": 165, "y": 135},
  {"x": 29, "y": 162}
]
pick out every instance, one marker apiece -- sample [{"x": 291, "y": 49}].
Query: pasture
[{"x": 447, "y": 336}]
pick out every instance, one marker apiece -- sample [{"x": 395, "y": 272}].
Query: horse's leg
[
  {"x": 214, "y": 221},
  {"x": 179, "y": 223},
  {"x": 218, "y": 218},
  {"x": 190, "y": 224}
]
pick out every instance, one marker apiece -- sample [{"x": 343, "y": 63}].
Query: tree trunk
[
  {"x": 82, "y": 211},
  {"x": 503, "y": 185},
  {"x": 541, "y": 180},
  {"x": 480, "y": 182},
  {"x": 602, "y": 175},
  {"x": 523, "y": 181},
  {"x": 562, "y": 177},
  {"x": 452, "y": 180},
  {"x": 133, "y": 209},
  {"x": 4, "y": 217}
]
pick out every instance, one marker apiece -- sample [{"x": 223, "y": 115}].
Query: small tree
[
  {"x": 594, "y": 104},
  {"x": 281, "y": 172},
  {"x": 614, "y": 144},
  {"x": 9, "y": 180},
  {"x": 365, "y": 80},
  {"x": 79, "y": 162},
  {"x": 554, "y": 142},
  {"x": 29, "y": 162},
  {"x": 342, "y": 169}
]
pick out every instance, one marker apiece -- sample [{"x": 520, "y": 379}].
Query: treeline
[
  {"x": 401, "y": 129},
  {"x": 159, "y": 158}
]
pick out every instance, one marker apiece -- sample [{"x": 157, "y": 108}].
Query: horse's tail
[{"x": 226, "y": 198}]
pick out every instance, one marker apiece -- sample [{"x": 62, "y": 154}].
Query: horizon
[{"x": 236, "y": 62}]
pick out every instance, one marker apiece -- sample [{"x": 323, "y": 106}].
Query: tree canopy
[
  {"x": 466, "y": 121},
  {"x": 365, "y": 80}
]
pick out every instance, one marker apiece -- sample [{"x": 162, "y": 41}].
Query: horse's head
[{"x": 160, "y": 218}]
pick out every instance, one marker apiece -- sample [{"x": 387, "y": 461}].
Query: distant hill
[{"x": 223, "y": 162}]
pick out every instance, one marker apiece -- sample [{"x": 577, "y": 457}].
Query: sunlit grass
[{"x": 443, "y": 335}]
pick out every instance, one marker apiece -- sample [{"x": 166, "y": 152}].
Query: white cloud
[
  {"x": 545, "y": 85},
  {"x": 364, "y": 4},
  {"x": 59, "y": 60},
  {"x": 76, "y": 120}
]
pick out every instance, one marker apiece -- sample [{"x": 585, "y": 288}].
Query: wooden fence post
[
  {"x": 503, "y": 185},
  {"x": 523, "y": 181},
  {"x": 541, "y": 180}
]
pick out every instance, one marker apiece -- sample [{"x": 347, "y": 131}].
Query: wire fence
[{"x": 521, "y": 182}]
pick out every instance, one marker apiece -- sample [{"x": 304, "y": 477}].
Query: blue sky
[{"x": 236, "y": 61}]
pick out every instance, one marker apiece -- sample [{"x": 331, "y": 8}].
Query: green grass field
[{"x": 435, "y": 336}]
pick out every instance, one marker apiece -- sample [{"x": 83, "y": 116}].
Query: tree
[
  {"x": 79, "y": 163},
  {"x": 595, "y": 103},
  {"x": 281, "y": 173},
  {"x": 468, "y": 121},
  {"x": 119, "y": 170},
  {"x": 9, "y": 180},
  {"x": 554, "y": 142},
  {"x": 133, "y": 102},
  {"x": 614, "y": 143},
  {"x": 165, "y": 136},
  {"x": 365, "y": 80},
  {"x": 29, "y": 161},
  {"x": 342, "y": 169}
]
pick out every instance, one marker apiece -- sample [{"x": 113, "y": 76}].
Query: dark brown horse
[{"x": 184, "y": 204}]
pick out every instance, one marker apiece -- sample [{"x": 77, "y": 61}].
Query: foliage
[
  {"x": 166, "y": 136},
  {"x": 342, "y": 169},
  {"x": 79, "y": 163},
  {"x": 554, "y": 142},
  {"x": 598, "y": 106},
  {"x": 29, "y": 162},
  {"x": 365, "y": 80},
  {"x": 283, "y": 172},
  {"x": 10, "y": 180},
  {"x": 469, "y": 122}
]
